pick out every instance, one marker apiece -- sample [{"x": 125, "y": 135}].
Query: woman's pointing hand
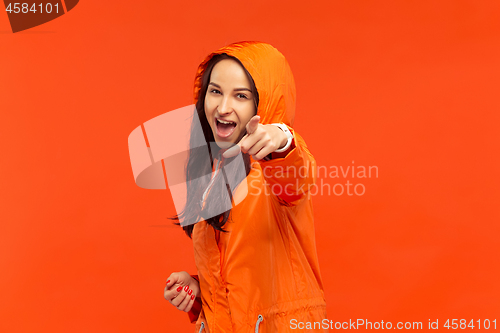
[{"x": 259, "y": 141}]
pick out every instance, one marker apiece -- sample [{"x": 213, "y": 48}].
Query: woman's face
[{"x": 229, "y": 102}]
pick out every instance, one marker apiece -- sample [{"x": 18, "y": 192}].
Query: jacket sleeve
[
  {"x": 291, "y": 176},
  {"x": 194, "y": 313}
]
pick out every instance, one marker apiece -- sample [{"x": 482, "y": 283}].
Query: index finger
[
  {"x": 172, "y": 279},
  {"x": 251, "y": 127},
  {"x": 253, "y": 124}
]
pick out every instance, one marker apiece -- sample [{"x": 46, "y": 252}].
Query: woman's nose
[{"x": 225, "y": 107}]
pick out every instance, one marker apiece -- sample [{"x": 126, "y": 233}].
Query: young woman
[{"x": 257, "y": 263}]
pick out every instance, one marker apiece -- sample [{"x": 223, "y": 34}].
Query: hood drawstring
[
  {"x": 257, "y": 323},
  {"x": 214, "y": 174},
  {"x": 259, "y": 320}
]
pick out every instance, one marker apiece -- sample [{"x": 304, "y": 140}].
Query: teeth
[{"x": 225, "y": 122}]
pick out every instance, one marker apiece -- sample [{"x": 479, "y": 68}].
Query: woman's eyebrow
[{"x": 236, "y": 89}]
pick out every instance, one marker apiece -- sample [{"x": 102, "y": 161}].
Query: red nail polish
[
  {"x": 180, "y": 288},
  {"x": 192, "y": 296},
  {"x": 186, "y": 288},
  {"x": 190, "y": 292},
  {"x": 168, "y": 281}
]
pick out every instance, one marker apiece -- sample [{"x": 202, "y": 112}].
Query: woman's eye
[
  {"x": 242, "y": 96},
  {"x": 215, "y": 91}
]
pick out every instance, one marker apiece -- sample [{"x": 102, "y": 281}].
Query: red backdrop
[{"x": 408, "y": 87}]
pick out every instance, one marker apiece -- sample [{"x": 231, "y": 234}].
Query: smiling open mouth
[{"x": 225, "y": 128}]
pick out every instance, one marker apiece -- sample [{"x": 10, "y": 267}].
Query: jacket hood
[{"x": 272, "y": 76}]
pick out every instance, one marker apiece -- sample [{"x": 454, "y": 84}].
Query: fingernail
[
  {"x": 168, "y": 281},
  {"x": 192, "y": 296},
  {"x": 180, "y": 288},
  {"x": 186, "y": 288},
  {"x": 190, "y": 292}
]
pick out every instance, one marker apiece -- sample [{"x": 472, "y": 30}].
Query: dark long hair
[{"x": 200, "y": 164}]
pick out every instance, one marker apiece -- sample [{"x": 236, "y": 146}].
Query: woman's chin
[{"x": 224, "y": 144}]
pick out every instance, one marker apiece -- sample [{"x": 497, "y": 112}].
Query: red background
[{"x": 409, "y": 87}]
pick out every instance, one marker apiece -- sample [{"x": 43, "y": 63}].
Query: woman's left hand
[
  {"x": 260, "y": 140},
  {"x": 181, "y": 290}
]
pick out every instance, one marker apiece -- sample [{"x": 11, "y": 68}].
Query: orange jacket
[{"x": 263, "y": 275}]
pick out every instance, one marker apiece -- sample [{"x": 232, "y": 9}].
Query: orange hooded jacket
[{"x": 263, "y": 274}]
